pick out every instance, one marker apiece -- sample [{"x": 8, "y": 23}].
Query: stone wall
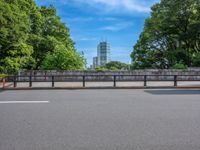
[
  {"x": 153, "y": 74},
  {"x": 191, "y": 71}
]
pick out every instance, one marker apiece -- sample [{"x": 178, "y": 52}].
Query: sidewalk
[{"x": 139, "y": 84}]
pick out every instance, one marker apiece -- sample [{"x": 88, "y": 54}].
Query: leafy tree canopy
[
  {"x": 63, "y": 59},
  {"x": 29, "y": 34},
  {"x": 114, "y": 65},
  {"x": 117, "y": 65},
  {"x": 171, "y": 35}
]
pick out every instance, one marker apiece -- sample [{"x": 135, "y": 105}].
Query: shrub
[{"x": 179, "y": 66}]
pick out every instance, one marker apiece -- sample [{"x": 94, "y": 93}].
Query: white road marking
[{"x": 22, "y": 102}]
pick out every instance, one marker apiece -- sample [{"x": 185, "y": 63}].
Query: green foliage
[
  {"x": 179, "y": 66},
  {"x": 48, "y": 32},
  {"x": 116, "y": 65},
  {"x": 196, "y": 60},
  {"x": 171, "y": 35},
  {"x": 29, "y": 33},
  {"x": 101, "y": 69},
  {"x": 19, "y": 57},
  {"x": 14, "y": 51},
  {"x": 3, "y": 75},
  {"x": 63, "y": 59}
]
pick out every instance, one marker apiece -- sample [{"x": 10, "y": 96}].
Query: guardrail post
[
  {"x": 15, "y": 82},
  {"x": 4, "y": 82},
  {"x": 30, "y": 81},
  {"x": 83, "y": 81},
  {"x": 52, "y": 81},
  {"x": 145, "y": 80},
  {"x": 175, "y": 80},
  {"x": 114, "y": 84}
]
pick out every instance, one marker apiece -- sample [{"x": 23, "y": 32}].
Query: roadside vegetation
[
  {"x": 33, "y": 37},
  {"x": 171, "y": 37},
  {"x": 3, "y": 75},
  {"x": 114, "y": 66},
  {"x": 30, "y": 37}
]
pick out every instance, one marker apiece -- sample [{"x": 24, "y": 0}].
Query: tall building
[
  {"x": 103, "y": 53},
  {"x": 95, "y": 62}
]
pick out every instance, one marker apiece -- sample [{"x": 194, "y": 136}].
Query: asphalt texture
[{"x": 100, "y": 120}]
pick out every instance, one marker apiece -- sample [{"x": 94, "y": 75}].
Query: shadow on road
[{"x": 173, "y": 92}]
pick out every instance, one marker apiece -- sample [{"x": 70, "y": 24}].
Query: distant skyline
[{"x": 120, "y": 22}]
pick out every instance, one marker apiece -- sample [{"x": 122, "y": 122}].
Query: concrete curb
[{"x": 95, "y": 88}]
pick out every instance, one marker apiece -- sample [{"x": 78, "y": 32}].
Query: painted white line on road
[{"x": 22, "y": 102}]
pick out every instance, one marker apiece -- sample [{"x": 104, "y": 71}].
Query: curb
[{"x": 94, "y": 88}]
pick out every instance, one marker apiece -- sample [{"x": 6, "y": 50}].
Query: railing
[
  {"x": 3, "y": 81},
  {"x": 99, "y": 78}
]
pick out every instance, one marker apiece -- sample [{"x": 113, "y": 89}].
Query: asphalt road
[{"x": 100, "y": 120}]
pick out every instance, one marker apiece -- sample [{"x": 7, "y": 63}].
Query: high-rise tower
[{"x": 103, "y": 53}]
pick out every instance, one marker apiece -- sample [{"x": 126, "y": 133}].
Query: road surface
[{"x": 100, "y": 119}]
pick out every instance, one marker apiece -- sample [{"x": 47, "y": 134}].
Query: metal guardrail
[
  {"x": 3, "y": 81},
  {"x": 99, "y": 78}
]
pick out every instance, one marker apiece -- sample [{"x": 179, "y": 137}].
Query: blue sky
[{"x": 120, "y": 22}]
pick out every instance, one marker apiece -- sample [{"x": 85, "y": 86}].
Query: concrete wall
[
  {"x": 192, "y": 71},
  {"x": 191, "y": 74}
]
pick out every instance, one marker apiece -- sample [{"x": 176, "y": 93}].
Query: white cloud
[
  {"x": 142, "y": 6},
  {"x": 90, "y": 19},
  {"x": 109, "y": 19},
  {"x": 117, "y": 27},
  {"x": 80, "y": 19},
  {"x": 130, "y": 5}
]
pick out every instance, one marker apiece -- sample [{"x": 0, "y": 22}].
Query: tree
[
  {"x": 19, "y": 57},
  {"x": 15, "y": 53},
  {"x": 62, "y": 59},
  {"x": 48, "y": 32},
  {"x": 171, "y": 35},
  {"x": 117, "y": 65},
  {"x": 196, "y": 59},
  {"x": 28, "y": 33}
]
